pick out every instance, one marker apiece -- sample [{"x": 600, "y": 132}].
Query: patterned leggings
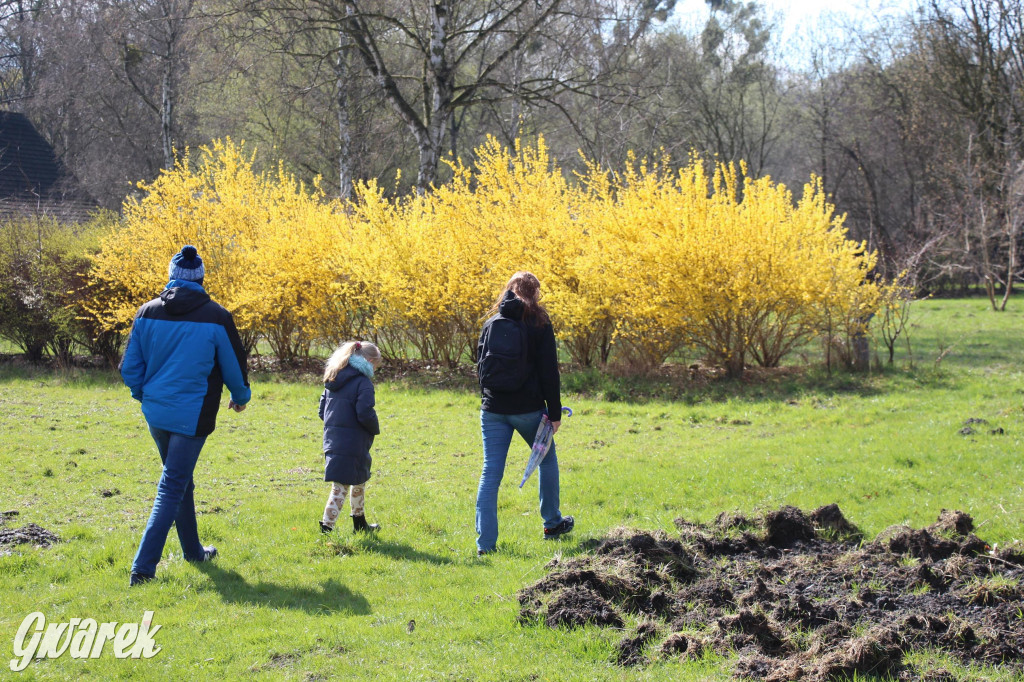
[{"x": 336, "y": 500}]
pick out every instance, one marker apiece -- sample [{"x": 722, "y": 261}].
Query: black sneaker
[
  {"x": 208, "y": 554},
  {"x": 139, "y": 578},
  {"x": 561, "y": 529},
  {"x": 324, "y": 528}
]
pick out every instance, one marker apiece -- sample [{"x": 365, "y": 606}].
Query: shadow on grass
[
  {"x": 678, "y": 383},
  {"x": 333, "y": 597},
  {"x": 670, "y": 382},
  {"x": 15, "y": 367},
  {"x": 404, "y": 552}
]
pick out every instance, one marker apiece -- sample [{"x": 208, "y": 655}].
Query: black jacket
[
  {"x": 350, "y": 423},
  {"x": 542, "y": 387}
]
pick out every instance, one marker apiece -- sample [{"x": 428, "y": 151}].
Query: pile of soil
[
  {"x": 28, "y": 534},
  {"x": 800, "y": 596}
]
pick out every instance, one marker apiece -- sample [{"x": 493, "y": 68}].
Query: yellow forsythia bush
[
  {"x": 435, "y": 264},
  {"x": 727, "y": 263},
  {"x": 636, "y": 263},
  {"x": 270, "y": 246}
]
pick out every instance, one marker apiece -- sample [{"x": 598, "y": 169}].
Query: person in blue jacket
[{"x": 183, "y": 346}]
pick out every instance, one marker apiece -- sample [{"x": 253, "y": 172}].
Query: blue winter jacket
[
  {"x": 350, "y": 423},
  {"x": 183, "y": 347}
]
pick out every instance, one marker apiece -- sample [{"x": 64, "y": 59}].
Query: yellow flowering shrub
[
  {"x": 436, "y": 263},
  {"x": 636, "y": 263},
  {"x": 265, "y": 240},
  {"x": 725, "y": 263}
]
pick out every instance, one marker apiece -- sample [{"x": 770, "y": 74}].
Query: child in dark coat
[{"x": 350, "y": 423}]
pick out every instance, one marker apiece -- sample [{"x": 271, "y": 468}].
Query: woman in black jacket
[
  {"x": 350, "y": 423},
  {"x": 516, "y": 392}
]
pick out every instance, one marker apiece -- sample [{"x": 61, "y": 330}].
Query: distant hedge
[{"x": 45, "y": 284}]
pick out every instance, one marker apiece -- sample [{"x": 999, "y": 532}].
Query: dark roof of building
[{"x": 33, "y": 181}]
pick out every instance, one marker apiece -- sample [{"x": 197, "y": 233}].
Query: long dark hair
[{"x": 526, "y": 288}]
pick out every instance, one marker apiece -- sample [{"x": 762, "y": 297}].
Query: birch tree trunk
[
  {"x": 171, "y": 19},
  {"x": 1011, "y": 266},
  {"x": 438, "y": 116},
  {"x": 342, "y": 70},
  {"x": 167, "y": 99},
  {"x": 430, "y": 121}
]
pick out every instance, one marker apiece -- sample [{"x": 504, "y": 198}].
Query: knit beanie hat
[{"x": 186, "y": 265}]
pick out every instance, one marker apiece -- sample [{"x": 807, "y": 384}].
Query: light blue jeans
[
  {"x": 498, "y": 430},
  {"x": 174, "y": 502}
]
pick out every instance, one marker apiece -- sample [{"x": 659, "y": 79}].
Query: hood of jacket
[
  {"x": 511, "y": 306},
  {"x": 345, "y": 375},
  {"x": 181, "y": 297}
]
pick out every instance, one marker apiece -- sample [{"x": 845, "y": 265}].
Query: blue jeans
[
  {"x": 498, "y": 430},
  {"x": 174, "y": 502}
]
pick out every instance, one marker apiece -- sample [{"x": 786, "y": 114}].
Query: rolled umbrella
[{"x": 541, "y": 444}]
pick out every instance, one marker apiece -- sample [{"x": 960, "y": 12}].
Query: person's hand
[
  {"x": 554, "y": 426},
  {"x": 235, "y": 406}
]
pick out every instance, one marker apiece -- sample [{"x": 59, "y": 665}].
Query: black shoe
[
  {"x": 139, "y": 578},
  {"x": 561, "y": 529},
  {"x": 208, "y": 554},
  {"x": 483, "y": 552},
  {"x": 359, "y": 524},
  {"x": 324, "y": 528}
]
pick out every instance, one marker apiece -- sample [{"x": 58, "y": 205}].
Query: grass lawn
[{"x": 284, "y": 602}]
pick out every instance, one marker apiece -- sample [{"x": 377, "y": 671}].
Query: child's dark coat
[{"x": 350, "y": 423}]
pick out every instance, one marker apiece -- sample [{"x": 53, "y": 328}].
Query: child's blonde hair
[{"x": 339, "y": 358}]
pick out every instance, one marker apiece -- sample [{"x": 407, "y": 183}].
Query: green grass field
[{"x": 284, "y": 602}]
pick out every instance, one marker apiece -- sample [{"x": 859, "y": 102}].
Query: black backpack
[{"x": 503, "y": 364}]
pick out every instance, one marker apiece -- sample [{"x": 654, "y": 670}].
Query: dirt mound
[
  {"x": 631, "y": 648},
  {"x": 682, "y": 645},
  {"x": 787, "y": 526},
  {"x": 751, "y": 628},
  {"x": 796, "y": 594},
  {"x": 950, "y": 535},
  {"x": 579, "y": 605},
  {"x": 632, "y": 568},
  {"x": 28, "y": 534},
  {"x": 879, "y": 652},
  {"x": 956, "y": 522},
  {"x": 830, "y": 524},
  {"x": 647, "y": 552}
]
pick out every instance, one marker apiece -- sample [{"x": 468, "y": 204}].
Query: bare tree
[
  {"x": 611, "y": 108},
  {"x": 18, "y": 48},
  {"x": 717, "y": 92},
  {"x": 157, "y": 31},
  {"x": 977, "y": 58},
  {"x": 112, "y": 86},
  {"x": 101, "y": 131},
  {"x": 306, "y": 98},
  {"x": 433, "y": 59}
]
